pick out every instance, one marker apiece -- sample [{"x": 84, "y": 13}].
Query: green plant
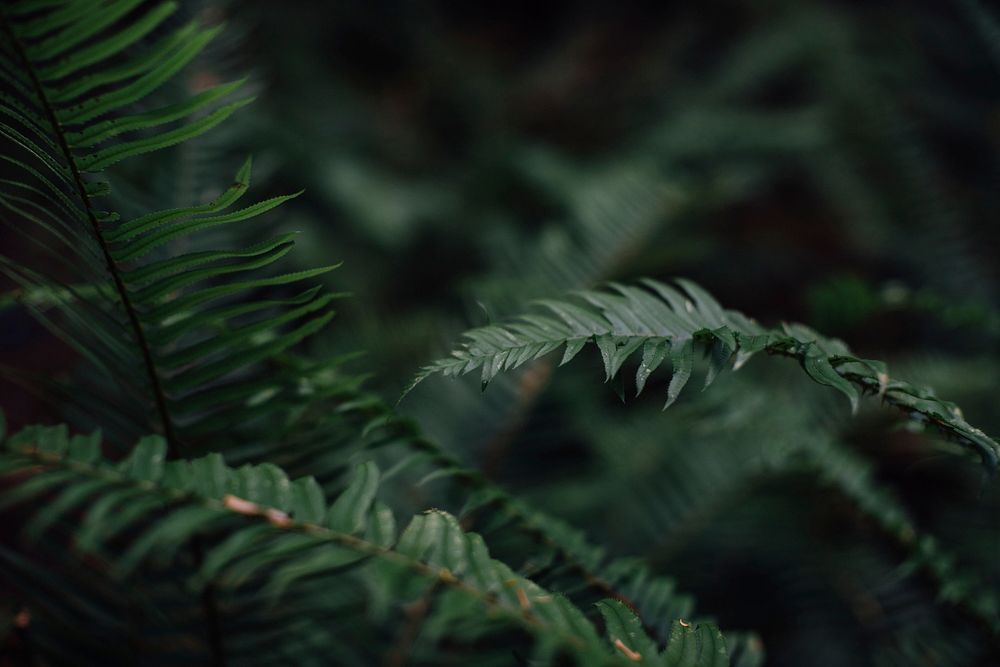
[{"x": 235, "y": 500}]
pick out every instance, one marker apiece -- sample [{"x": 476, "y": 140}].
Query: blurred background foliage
[{"x": 834, "y": 163}]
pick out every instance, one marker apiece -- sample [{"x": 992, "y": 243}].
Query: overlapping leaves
[
  {"x": 184, "y": 334},
  {"x": 263, "y": 524}
]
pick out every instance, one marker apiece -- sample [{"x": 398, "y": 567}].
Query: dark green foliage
[
  {"x": 662, "y": 320},
  {"x": 172, "y": 307},
  {"x": 266, "y": 537},
  {"x": 236, "y": 501}
]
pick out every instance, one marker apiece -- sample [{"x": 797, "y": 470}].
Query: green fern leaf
[
  {"x": 253, "y": 512},
  {"x": 624, "y": 319},
  {"x": 54, "y": 133}
]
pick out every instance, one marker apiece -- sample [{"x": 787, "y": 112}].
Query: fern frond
[
  {"x": 704, "y": 647},
  {"x": 568, "y": 561},
  {"x": 263, "y": 524},
  {"x": 680, "y": 500},
  {"x": 78, "y": 75},
  {"x": 658, "y": 320},
  {"x": 609, "y": 214},
  {"x": 958, "y": 585},
  {"x": 563, "y": 558}
]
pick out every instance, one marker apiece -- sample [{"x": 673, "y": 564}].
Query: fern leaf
[
  {"x": 701, "y": 484},
  {"x": 254, "y": 513},
  {"x": 577, "y": 564},
  {"x": 690, "y": 645},
  {"x": 624, "y": 319},
  {"x": 57, "y": 132}
]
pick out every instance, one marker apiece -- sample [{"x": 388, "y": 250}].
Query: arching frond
[
  {"x": 565, "y": 559},
  {"x": 262, "y": 528},
  {"x": 657, "y": 321}
]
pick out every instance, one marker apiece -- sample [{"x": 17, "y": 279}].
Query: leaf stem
[
  {"x": 209, "y": 603},
  {"x": 81, "y": 189}
]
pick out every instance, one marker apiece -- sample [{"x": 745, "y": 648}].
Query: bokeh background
[{"x": 832, "y": 163}]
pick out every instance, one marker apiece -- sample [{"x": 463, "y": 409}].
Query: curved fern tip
[
  {"x": 666, "y": 321},
  {"x": 420, "y": 377}
]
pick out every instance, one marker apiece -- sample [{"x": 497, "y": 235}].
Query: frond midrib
[
  {"x": 281, "y": 522},
  {"x": 145, "y": 349}
]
